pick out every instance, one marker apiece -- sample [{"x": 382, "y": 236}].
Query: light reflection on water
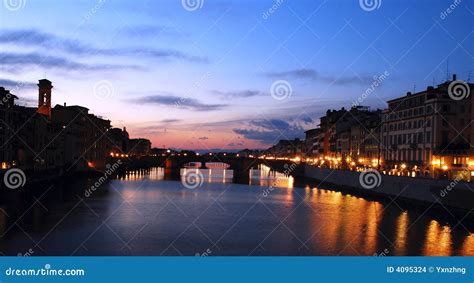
[
  {"x": 209, "y": 175},
  {"x": 156, "y": 174},
  {"x": 269, "y": 216},
  {"x": 265, "y": 177}
]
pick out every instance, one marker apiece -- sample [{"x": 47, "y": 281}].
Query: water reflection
[
  {"x": 265, "y": 177},
  {"x": 438, "y": 240},
  {"x": 402, "y": 233},
  {"x": 268, "y": 217},
  {"x": 209, "y": 175},
  {"x": 155, "y": 174}
]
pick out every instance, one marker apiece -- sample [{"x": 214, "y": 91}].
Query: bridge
[{"x": 240, "y": 165}]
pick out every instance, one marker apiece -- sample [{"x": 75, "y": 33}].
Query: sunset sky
[{"x": 202, "y": 79}]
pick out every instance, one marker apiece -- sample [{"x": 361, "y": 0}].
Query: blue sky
[{"x": 202, "y": 79}]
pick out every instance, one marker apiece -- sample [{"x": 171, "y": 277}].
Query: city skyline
[
  {"x": 229, "y": 128},
  {"x": 196, "y": 80}
]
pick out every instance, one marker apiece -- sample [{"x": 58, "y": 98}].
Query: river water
[{"x": 142, "y": 213}]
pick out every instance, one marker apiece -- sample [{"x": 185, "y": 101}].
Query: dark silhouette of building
[
  {"x": 287, "y": 148},
  {"x": 59, "y": 139},
  {"x": 83, "y": 135},
  {"x": 139, "y": 147}
]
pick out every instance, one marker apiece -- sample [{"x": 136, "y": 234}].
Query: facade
[
  {"x": 328, "y": 127},
  {"x": 287, "y": 148},
  {"x": 119, "y": 141},
  {"x": 25, "y": 136},
  {"x": 312, "y": 142},
  {"x": 84, "y": 142},
  {"x": 7, "y": 109},
  {"x": 139, "y": 147},
  {"x": 365, "y": 139},
  {"x": 428, "y": 133},
  {"x": 59, "y": 139}
]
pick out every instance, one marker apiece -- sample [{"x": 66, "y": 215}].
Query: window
[
  {"x": 460, "y": 160},
  {"x": 428, "y": 137}
]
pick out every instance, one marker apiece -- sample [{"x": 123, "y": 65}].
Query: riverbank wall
[{"x": 453, "y": 196}]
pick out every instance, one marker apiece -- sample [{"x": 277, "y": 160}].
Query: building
[
  {"x": 84, "y": 142},
  {"x": 7, "y": 102},
  {"x": 328, "y": 127},
  {"x": 365, "y": 139},
  {"x": 28, "y": 138},
  {"x": 312, "y": 142},
  {"x": 352, "y": 136},
  {"x": 287, "y": 148},
  {"x": 119, "y": 141},
  {"x": 139, "y": 147},
  {"x": 429, "y": 133},
  {"x": 248, "y": 153},
  {"x": 59, "y": 139}
]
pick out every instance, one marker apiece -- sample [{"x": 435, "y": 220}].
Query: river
[{"x": 143, "y": 213}]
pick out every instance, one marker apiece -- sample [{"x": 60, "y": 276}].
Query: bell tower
[{"x": 44, "y": 97}]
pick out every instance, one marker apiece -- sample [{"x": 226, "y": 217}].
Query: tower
[{"x": 44, "y": 97}]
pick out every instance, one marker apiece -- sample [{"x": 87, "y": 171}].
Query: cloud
[
  {"x": 307, "y": 120},
  {"x": 203, "y": 138},
  {"x": 296, "y": 74},
  {"x": 164, "y": 54},
  {"x": 270, "y": 131},
  {"x": 151, "y": 31},
  {"x": 183, "y": 102},
  {"x": 35, "y": 38},
  {"x": 170, "y": 120},
  {"x": 235, "y": 144},
  {"x": 16, "y": 85},
  {"x": 270, "y": 124},
  {"x": 237, "y": 94},
  {"x": 313, "y": 75},
  {"x": 21, "y": 61}
]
